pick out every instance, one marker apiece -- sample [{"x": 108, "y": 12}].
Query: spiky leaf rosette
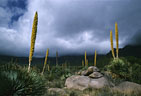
[
  {"x": 112, "y": 48},
  {"x": 33, "y": 38},
  {"x": 116, "y": 35},
  {"x": 16, "y": 81},
  {"x": 119, "y": 67}
]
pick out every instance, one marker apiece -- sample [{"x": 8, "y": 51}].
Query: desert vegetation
[{"x": 50, "y": 80}]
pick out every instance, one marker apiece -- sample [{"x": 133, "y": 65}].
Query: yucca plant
[
  {"x": 48, "y": 67},
  {"x": 56, "y": 58},
  {"x": 116, "y": 36},
  {"x": 112, "y": 48},
  {"x": 95, "y": 59},
  {"x": 119, "y": 67},
  {"x": 87, "y": 63},
  {"x": 85, "y": 58},
  {"x": 33, "y": 38},
  {"x": 16, "y": 81},
  {"x": 45, "y": 61},
  {"x": 82, "y": 63}
]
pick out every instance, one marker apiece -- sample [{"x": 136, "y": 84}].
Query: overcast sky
[{"x": 68, "y": 26}]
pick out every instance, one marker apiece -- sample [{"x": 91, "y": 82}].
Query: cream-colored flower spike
[
  {"x": 112, "y": 49},
  {"x": 116, "y": 36},
  {"x": 45, "y": 61},
  {"x": 95, "y": 58},
  {"x": 33, "y": 38}
]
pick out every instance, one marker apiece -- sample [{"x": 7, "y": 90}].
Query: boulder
[
  {"x": 77, "y": 82},
  {"x": 100, "y": 83},
  {"x": 89, "y": 71},
  {"x": 84, "y": 82},
  {"x": 85, "y": 73},
  {"x": 78, "y": 73},
  {"x": 58, "y": 91},
  {"x": 96, "y": 75},
  {"x": 92, "y": 69},
  {"x": 128, "y": 88}
]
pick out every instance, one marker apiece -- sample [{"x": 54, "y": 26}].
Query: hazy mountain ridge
[{"x": 128, "y": 50}]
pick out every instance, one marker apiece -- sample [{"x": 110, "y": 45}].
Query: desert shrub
[
  {"x": 135, "y": 73},
  {"x": 16, "y": 81},
  {"x": 122, "y": 69},
  {"x": 119, "y": 68},
  {"x": 57, "y": 72},
  {"x": 56, "y": 76}
]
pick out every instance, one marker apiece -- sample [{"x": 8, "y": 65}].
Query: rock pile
[
  {"x": 92, "y": 72},
  {"x": 90, "y": 78}
]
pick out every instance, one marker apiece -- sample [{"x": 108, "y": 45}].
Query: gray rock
[
  {"x": 128, "y": 88},
  {"x": 57, "y": 90},
  {"x": 85, "y": 73},
  {"x": 84, "y": 82},
  {"x": 96, "y": 75},
  {"x": 100, "y": 83},
  {"x": 79, "y": 73},
  {"x": 77, "y": 82},
  {"x": 93, "y": 69}
]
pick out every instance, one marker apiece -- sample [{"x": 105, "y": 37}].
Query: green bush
[
  {"x": 136, "y": 73},
  {"x": 121, "y": 68},
  {"x": 16, "y": 81},
  {"x": 57, "y": 72}
]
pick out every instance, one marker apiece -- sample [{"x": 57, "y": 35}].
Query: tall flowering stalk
[
  {"x": 48, "y": 67},
  {"x": 85, "y": 58},
  {"x": 45, "y": 61},
  {"x": 116, "y": 36},
  {"x": 82, "y": 63},
  {"x": 56, "y": 58},
  {"x": 87, "y": 63},
  {"x": 33, "y": 38},
  {"x": 112, "y": 49},
  {"x": 95, "y": 58}
]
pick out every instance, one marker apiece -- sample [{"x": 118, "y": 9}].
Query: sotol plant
[
  {"x": 95, "y": 59},
  {"x": 116, "y": 35},
  {"x": 86, "y": 59},
  {"x": 33, "y": 38},
  {"x": 48, "y": 67},
  {"x": 111, "y": 38},
  {"x": 45, "y": 61},
  {"x": 87, "y": 63},
  {"x": 16, "y": 81},
  {"x": 82, "y": 63},
  {"x": 112, "y": 49},
  {"x": 56, "y": 58}
]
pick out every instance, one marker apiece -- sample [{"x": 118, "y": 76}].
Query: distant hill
[
  {"x": 71, "y": 60},
  {"x": 74, "y": 60},
  {"x": 129, "y": 50}
]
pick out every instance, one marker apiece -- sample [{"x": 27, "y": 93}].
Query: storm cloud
[{"x": 68, "y": 26}]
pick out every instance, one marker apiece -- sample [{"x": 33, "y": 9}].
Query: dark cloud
[
  {"x": 69, "y": 26},
  {"x": 136, "y": 38}
]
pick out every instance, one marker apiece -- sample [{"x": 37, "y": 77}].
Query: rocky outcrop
[
  {"x": 128, "y": 88},
  {"x": 96, "y": 75},
  {"x": 90, "y": 78}
]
